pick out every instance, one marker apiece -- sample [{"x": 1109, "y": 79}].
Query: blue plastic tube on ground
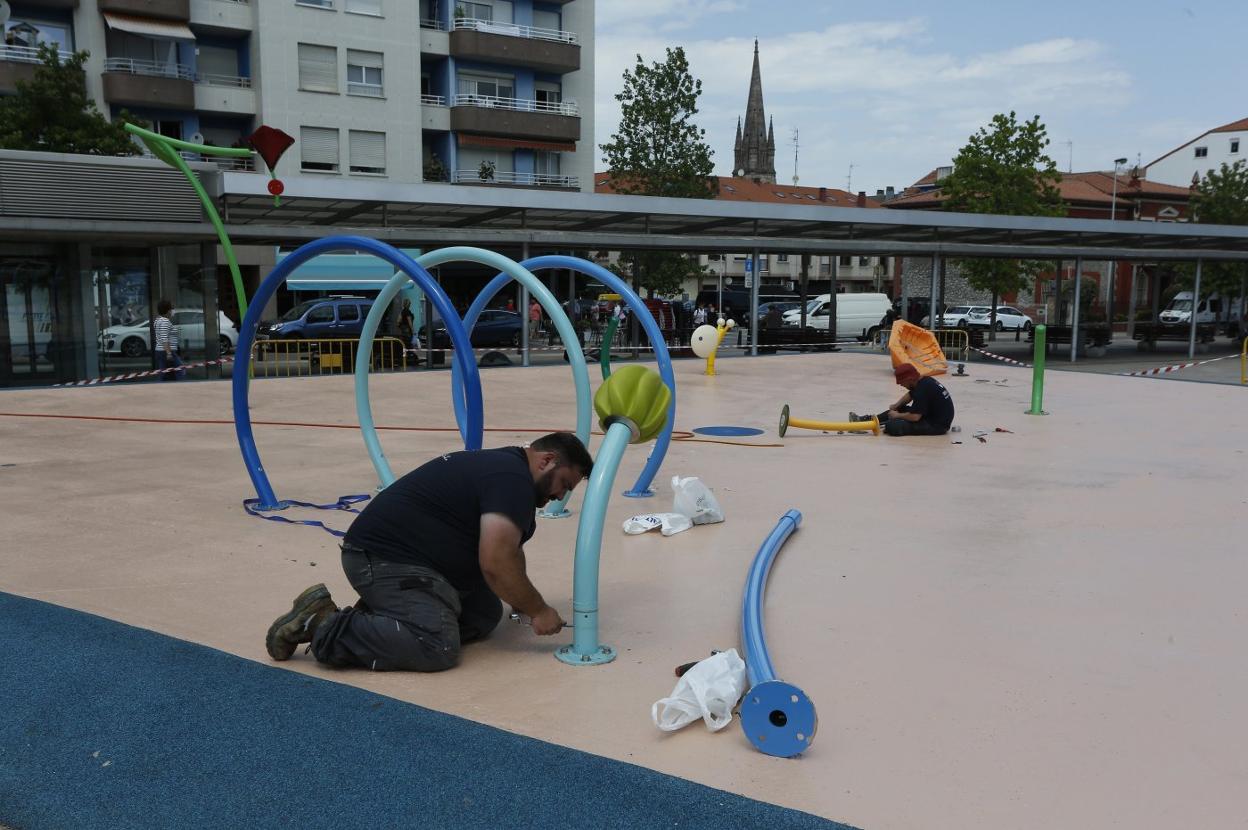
[{"x": 777, "y": 717}]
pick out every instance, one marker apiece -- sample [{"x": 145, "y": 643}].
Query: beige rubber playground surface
[{"x": 1042, "y": 631}]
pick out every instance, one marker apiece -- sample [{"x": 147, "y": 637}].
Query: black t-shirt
[
  {"x": 931, "y": 400},
  {"x": 432, "y": 515}
]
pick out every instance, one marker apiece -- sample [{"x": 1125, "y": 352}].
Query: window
[
  {"x": 368, "y": 152},
  {"x": 782, "y": 257},
  {"x": 547, "y": 20},
  {"x": 1234, "y": 145},
  {"x": 546, "y": 163},
  {"x": 864, "y": 261},
  {"x": 318, "y": 68},
  {"x": 31, "y": 33},
  {"x": 847, "y": 261},
  {"x": 372, "y": 7},
  {"x": 547, "y": 95},
  {"x": 321, "y": 314},
  {"x": 498, "y": 11},
  {"x": 364, "y": 73},
  {"x": 348, "y": 313},
  {"x": 320, "y": 4},
  {"x": 318, "y": 149},
  {"x": 884, "y": 263},
  {"x": 487, "y": 86},
  {"x": 1202, "y": 152}
]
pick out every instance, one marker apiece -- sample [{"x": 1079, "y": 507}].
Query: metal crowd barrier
[
  {"x": 1243, "y": 362},
  {"x": 956, "y": 343},
  {"x": 305, "y": 358}
]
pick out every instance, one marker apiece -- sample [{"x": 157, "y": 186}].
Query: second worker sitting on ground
[{"x": 925, "y": 409}]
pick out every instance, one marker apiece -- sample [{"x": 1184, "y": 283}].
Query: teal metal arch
[{"x": 576, "y": 357}]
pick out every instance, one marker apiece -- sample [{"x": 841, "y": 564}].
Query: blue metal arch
[{"x": 247, "y": 334}]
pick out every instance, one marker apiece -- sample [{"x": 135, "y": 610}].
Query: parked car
[
  {"x": 495, "y": 327},
  {"x": 329, "y": 318},
  {"x": 135, "y": 340},
  {"x": 954, "y": 316},
  {"x": 857, "y": 315},
  {"x": 1008, "y": 317}
]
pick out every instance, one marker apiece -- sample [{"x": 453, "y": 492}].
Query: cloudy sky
[{"x": 895, "y": 87}]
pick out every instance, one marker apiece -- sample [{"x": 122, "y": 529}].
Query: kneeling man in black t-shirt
[
  {"x": 431, "y": 556},
  {"x": 925, "y": 409}
]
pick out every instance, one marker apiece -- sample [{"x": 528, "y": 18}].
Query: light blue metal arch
[
  {"x": 251, "y": 320},
  {"x": 580, "y": 373},
  {"x": 642, "y": 488}
]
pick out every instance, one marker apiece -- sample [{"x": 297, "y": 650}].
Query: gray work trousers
[
  {"x": 409, "y": 618},
  {"x": 900, "y": 426}
]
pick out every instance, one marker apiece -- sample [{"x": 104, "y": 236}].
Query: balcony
[
  {"x": 546, "y": 50},
  {"x": 507, "y": 178},
  {"x": 434, "y": 114},
  {"x": 225, "y": 94},
  {"x": 140, "y": 83},
  {"x": 161, "y": 9},
  {"x": 222, "y": 16},
  {"x": 487, "y": 115},
  {"x": 17, "y": 63}
]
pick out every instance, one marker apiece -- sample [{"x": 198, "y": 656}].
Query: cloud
[
  {"x": 886, "y": 95},
  {"x": 650, "y": 16}
]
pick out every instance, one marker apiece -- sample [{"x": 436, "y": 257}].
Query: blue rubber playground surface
[{"x": 111, "y": 726}]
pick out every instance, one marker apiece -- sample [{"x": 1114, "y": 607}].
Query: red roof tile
[{"x": 733, "y": 189}]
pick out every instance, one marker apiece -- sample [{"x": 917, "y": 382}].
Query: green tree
[
  {"x": 658, "y": 150},
  {"x": 1220, "y": 198},
  {"x": 1003, "y": 169},
  {"x": 52, "y": 113}
]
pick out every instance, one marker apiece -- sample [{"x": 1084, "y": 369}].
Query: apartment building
[{"x": 482, "y": 93}]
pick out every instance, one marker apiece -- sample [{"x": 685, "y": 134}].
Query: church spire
[{"x": 755, "y": 149}]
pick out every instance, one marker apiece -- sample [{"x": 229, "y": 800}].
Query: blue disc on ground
[{"x": 733, "y": 432}]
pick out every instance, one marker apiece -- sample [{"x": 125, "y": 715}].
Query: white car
[
  {"x": 135, "y": 340},
  {"x": 1008, "y": 317},
  {"x": 954, "y": 316}
]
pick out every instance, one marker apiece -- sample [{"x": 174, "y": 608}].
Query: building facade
[
  {"x": 1187, "y": 164},
  {"x": 492, "y": 92}
]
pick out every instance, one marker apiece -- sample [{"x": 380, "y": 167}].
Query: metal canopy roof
[{"x": 438, "y": 214}]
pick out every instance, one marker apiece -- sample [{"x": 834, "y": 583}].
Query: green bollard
[
  {"x": 604, "y": 354},
  {"x": 1037, "y": 375}
]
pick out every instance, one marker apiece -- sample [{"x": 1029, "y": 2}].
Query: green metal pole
[
  {"x": 164, "y": 148},
  {"x": 1037, "y": 374},
  {"x": 604, "y": 353}
]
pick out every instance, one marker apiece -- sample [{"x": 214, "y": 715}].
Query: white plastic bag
[
  {"x": 671, "y": 523},
  {"x": 709, "y": 690},
  {"x": 695, "y": 500}
]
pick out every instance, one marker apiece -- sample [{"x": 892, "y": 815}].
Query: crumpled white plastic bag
[
  {"x": 670, "y": 523},
  {"x": 709, "y": 690},
  {"x": 695, "y": 500}
]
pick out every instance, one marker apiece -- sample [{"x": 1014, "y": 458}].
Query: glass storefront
[{"x": 29, "y": 351}]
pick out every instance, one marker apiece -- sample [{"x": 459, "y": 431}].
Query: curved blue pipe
[
  {"x": 642, "y": 488},
  {"x": 580, "y": 373},
  {"x": 251, "y": 320},
  {"x": 777, "y": 717}
]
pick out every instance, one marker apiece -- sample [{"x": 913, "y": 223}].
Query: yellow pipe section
[
  {"x": 872, "y": 425},
  {"x": 722, "y": 328}
]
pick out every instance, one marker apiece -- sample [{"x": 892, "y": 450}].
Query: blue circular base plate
[
  {"x": 637, "y": 494},
  {"x": 778, "y": 718},
  {"x": 562, "y": 514},
  {"x": 728, "y": 432},
  {"x": 604, "y": 654}
]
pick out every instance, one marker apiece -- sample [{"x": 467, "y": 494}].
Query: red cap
[{"x": 905, "y": 372}]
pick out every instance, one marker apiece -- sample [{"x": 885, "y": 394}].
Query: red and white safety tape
[
  {"x": 1001, "y": 358},
  {"x": 149, "y": 373},
  {"x": 1161, "y": 370}
]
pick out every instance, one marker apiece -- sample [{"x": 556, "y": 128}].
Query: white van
[
  {"x": 1212, "y": 309},
  {"x": 857, "y": 315}
]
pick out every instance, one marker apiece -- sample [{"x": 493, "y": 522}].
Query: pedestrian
[
  {"x": 433, "y": 556},
  {"x": 407, "y": 324},
  {"x": 699, "y": 316},
  {"x": 166, "y": 348},
  {"x": 925, "y": 409},
  {"x": 535, "y": 320}
]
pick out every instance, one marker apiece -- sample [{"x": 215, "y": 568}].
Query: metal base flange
[
  {"x": 604, "y": 654},
  {"x": 637, "y": 494},
  {"x": 778, "y": 718},
  {"x": 562, "y": 514}
]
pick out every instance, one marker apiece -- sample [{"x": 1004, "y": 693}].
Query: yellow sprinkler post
[
  {"x": 872, "y": 426},
  {"x": 706, "y": 339}
]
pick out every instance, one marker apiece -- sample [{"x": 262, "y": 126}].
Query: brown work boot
[
  {"x": 854, "y": 417},
  {"x": 296, "y": 626}
]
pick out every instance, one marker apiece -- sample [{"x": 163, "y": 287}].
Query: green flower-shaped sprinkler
[{"x": 632, "y": 409}]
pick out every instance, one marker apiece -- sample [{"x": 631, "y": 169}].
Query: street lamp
[{"x": 1109, "y": 283}]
